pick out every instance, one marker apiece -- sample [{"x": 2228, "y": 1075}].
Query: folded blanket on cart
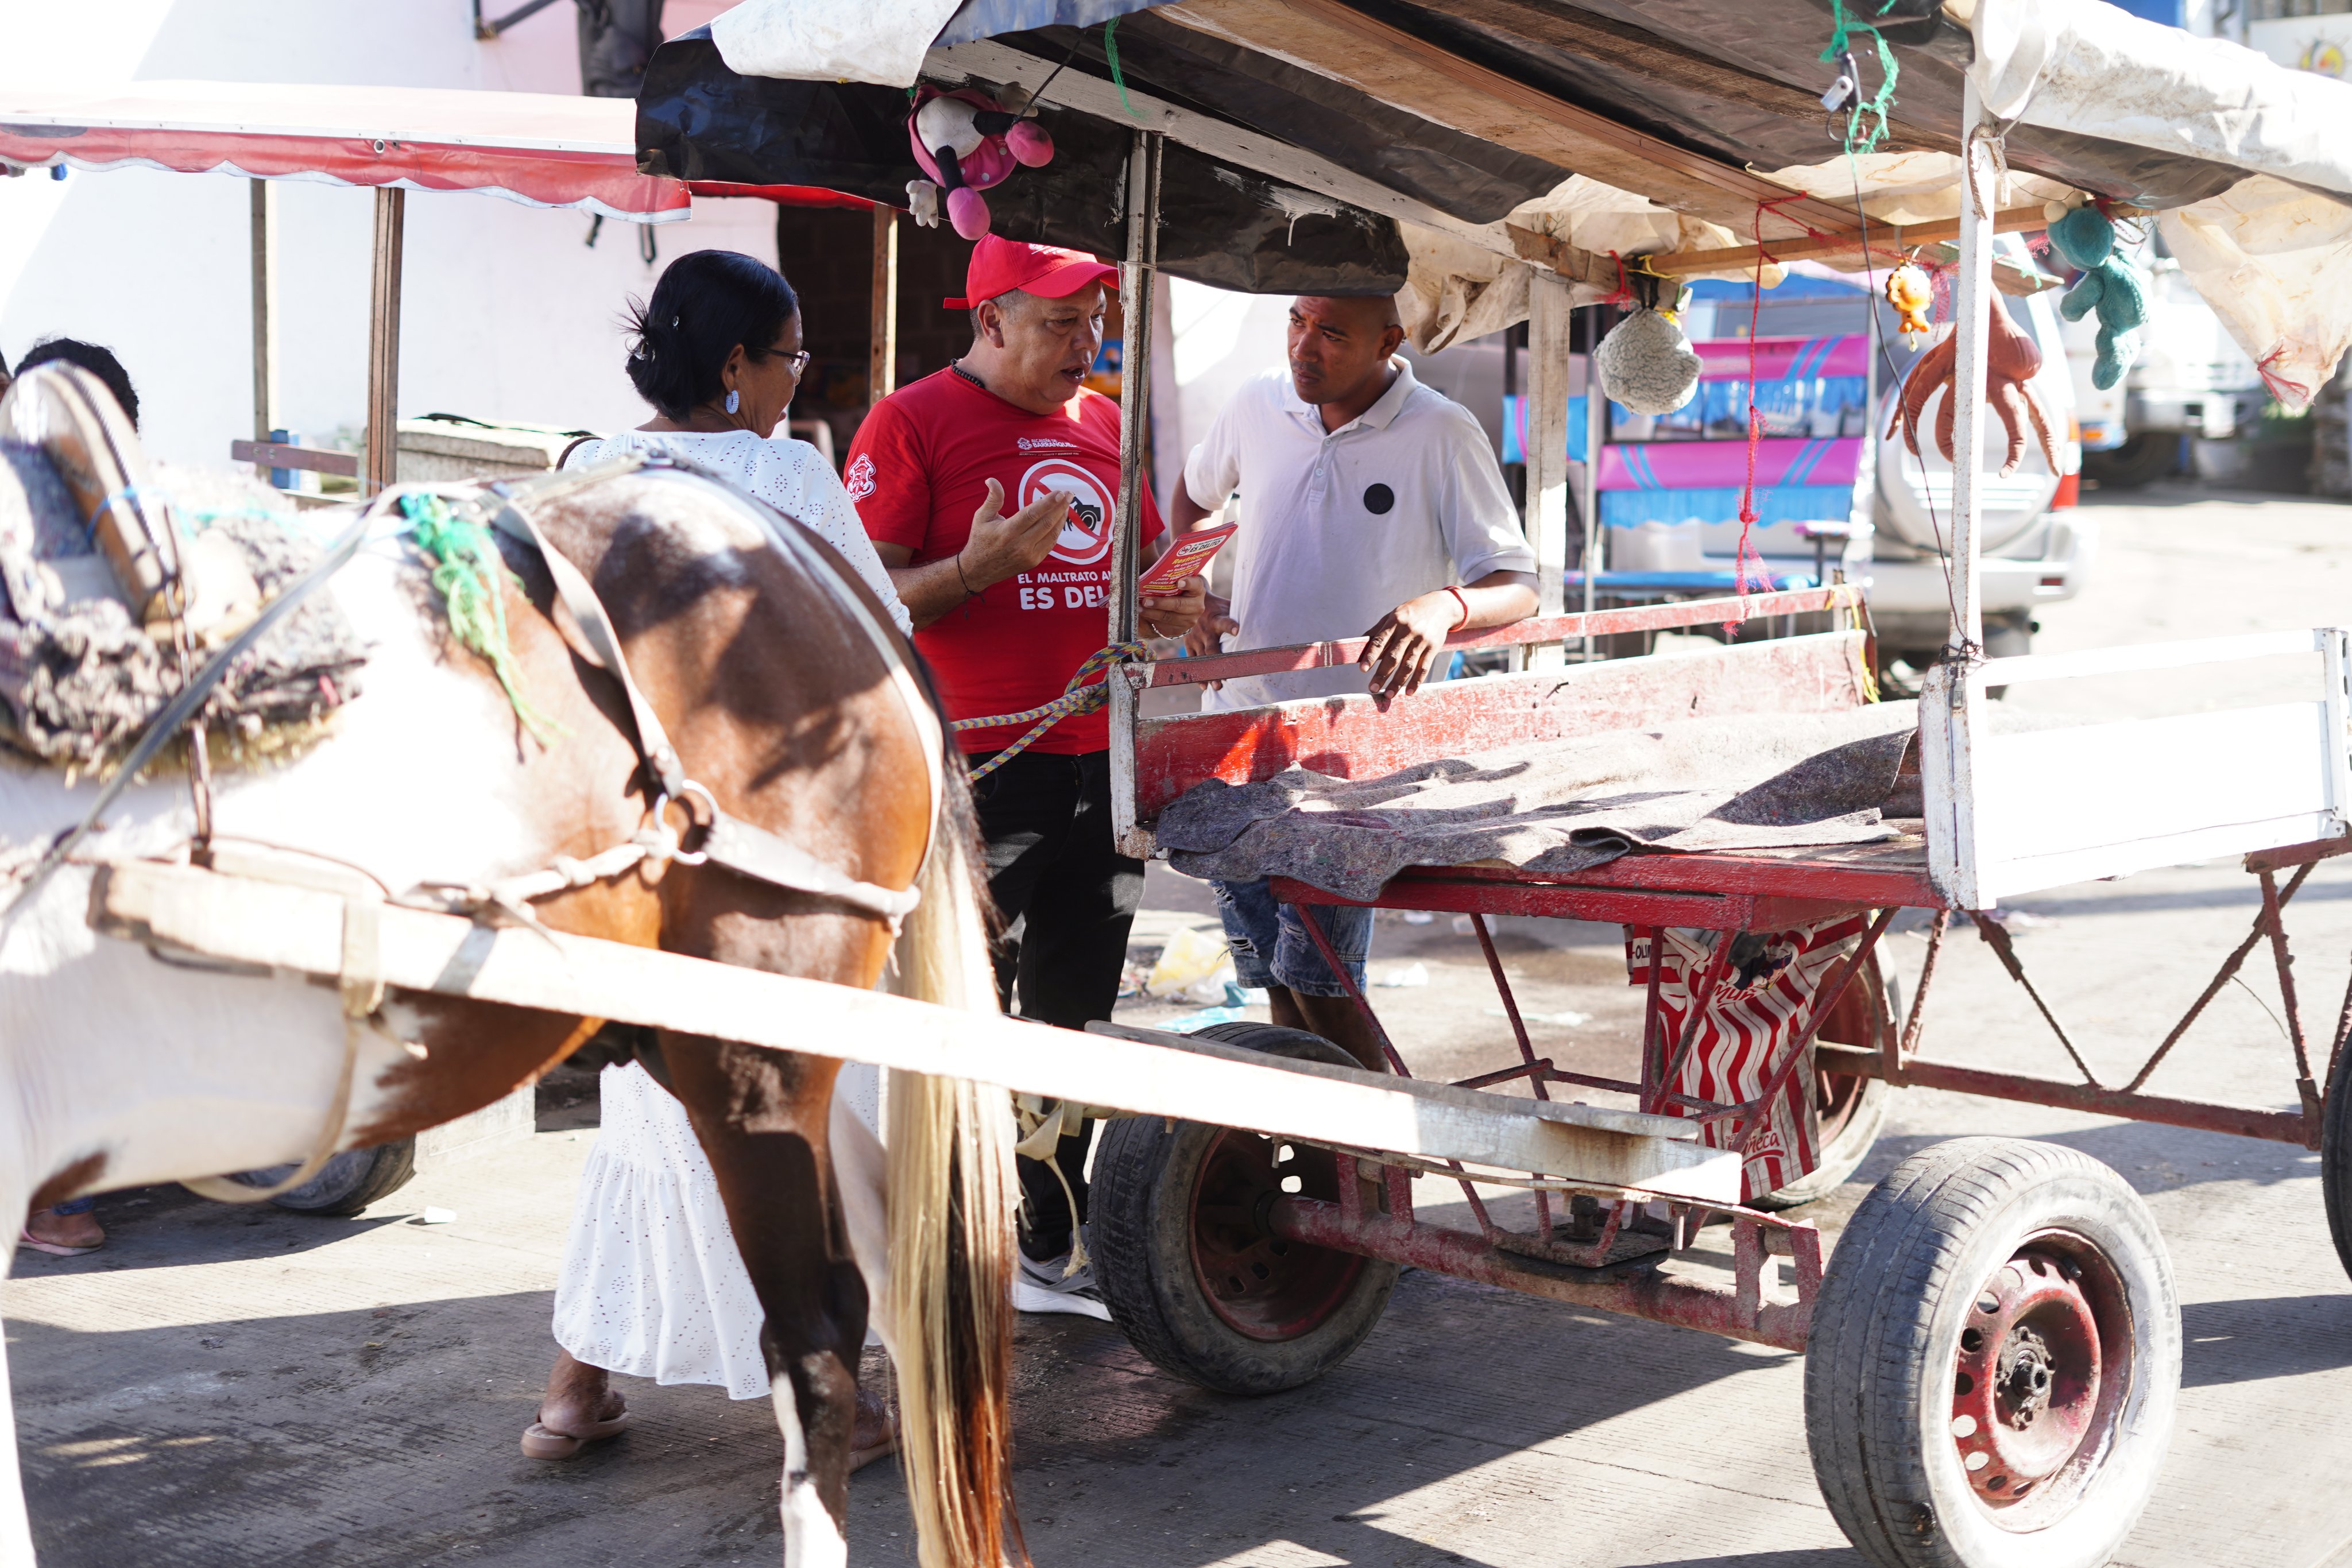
[{"x": 1769, "y": 781}]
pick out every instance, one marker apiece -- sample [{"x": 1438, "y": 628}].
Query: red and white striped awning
[{"x": 543, "y": 149}]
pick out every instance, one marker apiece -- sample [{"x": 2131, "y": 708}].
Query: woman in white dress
[{"x": 652, "y": 1285}]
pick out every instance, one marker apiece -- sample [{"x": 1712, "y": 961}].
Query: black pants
[{"x": 1067, "y": 897}]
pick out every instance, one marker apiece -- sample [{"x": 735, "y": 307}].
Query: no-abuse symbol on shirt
[{"x": 1086, "y": 536}]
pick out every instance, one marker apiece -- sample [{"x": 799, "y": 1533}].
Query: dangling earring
[{"x": 734, "y": 401}]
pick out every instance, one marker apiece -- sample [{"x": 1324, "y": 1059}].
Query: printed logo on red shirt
[
  {"x": 1086, "y": 536},
  {"x": 860, "y": 477}
]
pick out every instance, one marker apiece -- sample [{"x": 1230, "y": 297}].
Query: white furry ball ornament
[{"x": 1647, "y": 363}]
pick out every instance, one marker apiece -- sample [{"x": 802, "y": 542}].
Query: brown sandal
[{"x": 542, "y": 1442}]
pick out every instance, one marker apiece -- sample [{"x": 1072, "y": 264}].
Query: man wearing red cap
[{"x": 991, "y": 490}]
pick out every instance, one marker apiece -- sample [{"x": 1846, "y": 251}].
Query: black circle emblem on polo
[{"x": 1378, "y": 499}]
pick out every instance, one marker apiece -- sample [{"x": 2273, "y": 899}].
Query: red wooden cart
[{"x": 1996, "y": 1338}]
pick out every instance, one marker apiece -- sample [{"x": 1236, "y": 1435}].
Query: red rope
[
  {"x": 1623, "y": 294},
  {"x": 1739, "y": 578}
]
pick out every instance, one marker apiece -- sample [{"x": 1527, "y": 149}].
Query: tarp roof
[
  {"x": 542, "y": 149},
  {"x": 1479, "y": 133}
]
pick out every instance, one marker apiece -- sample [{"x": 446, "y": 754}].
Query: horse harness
[{"x": 728, "y": 841}]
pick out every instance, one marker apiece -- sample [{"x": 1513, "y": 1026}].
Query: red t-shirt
[{"x": 919, "y": 470}]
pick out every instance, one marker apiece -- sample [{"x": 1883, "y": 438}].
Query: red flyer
[{"x": 1189, "y": 557}]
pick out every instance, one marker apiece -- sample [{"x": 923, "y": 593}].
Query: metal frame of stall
[
  {"x": 556, "y": 147},
  {"x": 1968, "y": 863}
]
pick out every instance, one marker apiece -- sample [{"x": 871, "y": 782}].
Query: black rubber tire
[
  {"x": 1859, "y": 1021},
  {"x": 2336, "y": 1156},
  {"x": 1887, "y": 1329},
  {"x": 2145, "y": 458},
  {"x": 346, "y": 1184},
  {"x": 1146, "y": 1171}
]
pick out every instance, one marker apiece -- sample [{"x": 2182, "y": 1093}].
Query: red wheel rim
[
  {"x": 1853, "y": 1022},
  {"x": 2043, "y": 1361},
  {"x": 1264, "y": 1286}
]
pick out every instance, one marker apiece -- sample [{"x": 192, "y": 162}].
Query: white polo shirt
[{"x": 1337, "y": 528}]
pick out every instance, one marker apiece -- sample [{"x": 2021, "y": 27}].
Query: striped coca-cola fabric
[{"x": 1768, "y": 987}]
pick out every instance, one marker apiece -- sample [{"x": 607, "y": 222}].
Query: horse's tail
[{"x": 951, "y": 1196}]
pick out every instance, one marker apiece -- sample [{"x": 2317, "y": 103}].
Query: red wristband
[{"x": 1465, "y": 609}]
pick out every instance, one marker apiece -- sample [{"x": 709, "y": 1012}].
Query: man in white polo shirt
[{"x": 1370, "y": 504}]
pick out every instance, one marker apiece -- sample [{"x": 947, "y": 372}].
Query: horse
[{"x": 792, "y": 701}]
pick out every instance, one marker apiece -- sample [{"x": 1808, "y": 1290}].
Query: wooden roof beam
[
  {"x": 1624, "y": 47},
  {"x": 1424, "y": 78},
  {"x": 1887, "y": 242}
]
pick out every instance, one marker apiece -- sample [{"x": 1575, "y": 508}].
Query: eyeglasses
[{"x": 798, "y": 360}]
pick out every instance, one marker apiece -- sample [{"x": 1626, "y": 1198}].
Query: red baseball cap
[{"x": 1000, "y": 265}]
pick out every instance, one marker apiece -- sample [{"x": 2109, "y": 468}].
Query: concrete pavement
[{"x": 231, "y": 1388}]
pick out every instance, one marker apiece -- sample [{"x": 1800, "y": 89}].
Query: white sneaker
[{"x": 1044, "y": 1287}]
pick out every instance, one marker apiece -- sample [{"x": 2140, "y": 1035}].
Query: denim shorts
[{"x": 1271, "y": 948}]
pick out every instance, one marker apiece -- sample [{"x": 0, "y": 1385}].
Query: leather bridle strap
[{"x": 744, "y": 847}]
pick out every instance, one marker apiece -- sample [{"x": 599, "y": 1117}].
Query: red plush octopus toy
[{"x": 2012, "y": 361}]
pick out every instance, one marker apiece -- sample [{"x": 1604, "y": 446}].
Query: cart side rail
[
  {"x": 1363, "y": 736},
  {"x": 2010, "y": 814},
  {"x": 1535, "y": 631}
]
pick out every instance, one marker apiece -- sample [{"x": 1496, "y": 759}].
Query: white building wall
[
  {"x": 507, "y": 314},
  {"x": 1220, "y": 340}
]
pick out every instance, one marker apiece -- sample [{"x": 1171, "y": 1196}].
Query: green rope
[
  {"x": 467, "y": 573},
  {"x": 1076, "y": 697},
  {"x": 1110, "y": 49},
  {"x": 1877, "y": 106}
]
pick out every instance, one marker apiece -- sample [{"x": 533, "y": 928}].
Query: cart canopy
[
  {"x": 825, "y": 40},
  {"x": 540, "y": 148},
  {"x": 1485, "y": 136}
]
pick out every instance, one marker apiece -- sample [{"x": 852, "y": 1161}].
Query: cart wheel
[
  {"x": 1849, "y": 1110},
  {"x": 2336, "y": 1156},
  {"x": 1190, "y": 1276},
  {"x": 345, "y": 1184},
  {"x": 1993, "y": 1360}
]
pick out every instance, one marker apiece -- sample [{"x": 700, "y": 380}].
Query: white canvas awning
[{"x": 2272, "y": 257}]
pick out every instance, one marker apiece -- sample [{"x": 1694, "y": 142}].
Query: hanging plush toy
[
  {"x": 2012, "y": 361},
  {"x": 1647, "y": 363},
  {"x": 967, "y": 141},
  {"x": 1913, "y": 294},
  {"x": 2086, "y": 238}
]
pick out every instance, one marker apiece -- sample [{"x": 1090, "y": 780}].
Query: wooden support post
[
  {"x": 1549, "y": 313},
  {"x": 1596, "y": 435},
  {"x": 264, "y": 195},
  {"x": 1955, "y": 689},
  {"x": 1135, "y": 299},
  {"x": 1972, "y": 299},
  {"x": 384, "y": 342},
  {"x": 882, "y": 356}
]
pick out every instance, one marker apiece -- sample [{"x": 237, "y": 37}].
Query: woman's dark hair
[
  {"x": 99, "y": 361},
  {"x": 705, "y": 303}
]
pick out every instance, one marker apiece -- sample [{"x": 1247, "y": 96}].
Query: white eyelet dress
[{"x": 651, "y": 1284}]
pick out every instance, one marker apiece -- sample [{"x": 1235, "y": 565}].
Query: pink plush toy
[{"x": 966, "y": 142}]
